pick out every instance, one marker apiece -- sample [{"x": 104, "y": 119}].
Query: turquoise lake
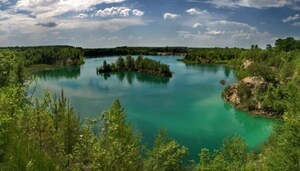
[{"x": 188, "y": 105}]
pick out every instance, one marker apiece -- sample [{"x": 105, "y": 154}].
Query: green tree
[
  {"x": 129, "y": 63},
  {"x": 166, "y": 154},
  {"x": 120, "y": 64},
  {"x": 6, "y": 68},
  {"x": 287, "y": 44},
  {"x": 205, "y": 160},
  {"x": 120, "y": 146}
]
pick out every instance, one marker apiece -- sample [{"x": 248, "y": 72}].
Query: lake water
[{"x": 188, "y": 105}]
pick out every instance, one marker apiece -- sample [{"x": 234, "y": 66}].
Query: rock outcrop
[
  {"x": 252, "y": 86},
  {"x": 246, "y": 64}
]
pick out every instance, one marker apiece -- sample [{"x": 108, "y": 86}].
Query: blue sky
[{"x": 111, "y": 23}]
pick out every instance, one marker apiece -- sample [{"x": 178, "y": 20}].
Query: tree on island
[{"x": 141, "y": 64}]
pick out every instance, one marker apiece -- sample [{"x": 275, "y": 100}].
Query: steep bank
[{"x": 244, "y": 95}]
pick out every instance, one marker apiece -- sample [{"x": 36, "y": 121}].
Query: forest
[
  {"x": 52, "y": 55},
  {"x": 124, "y": 50},
  {"x": 47, "y": 134},
  {"x": 141, "y": 64}
]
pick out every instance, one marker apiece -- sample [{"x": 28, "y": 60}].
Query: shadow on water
[
  {"x": 132, "y": 76},
  {"x": 67, "y": 72}
]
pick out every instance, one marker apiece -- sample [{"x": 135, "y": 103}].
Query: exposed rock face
[
  {"x": 246, "y": 64},
  {"x": 252, "y": 84},
  {"x": 231, "y": 95}
]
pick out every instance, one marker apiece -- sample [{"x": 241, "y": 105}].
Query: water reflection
[
  {"x": 227, "y": 71},
  {"x": 132, "y": 76},
  {"x": 205, "y": 68},
  {"x": 56, "y": 74}
]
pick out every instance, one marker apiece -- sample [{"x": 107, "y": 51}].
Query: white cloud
[
  {"x": 252, "y": 3},
  {"x": 200, "y": 16},
  {"x": 70, "y": 18},
  {"x": 291, "y": 18},
  {"x": 297, "y": 24},
  {"x": 225, "y": 33},
  {"x": 137, "y": 12},
  {"x": 196, "y": 11},
  {"x": 215, "y": 32},
  {"x": 114, "y": 24},
  {"x": 113, "y": 11},
  {"x": 118, "y": 11},
  {"x": 230, "y": 25},
  {"x": 81, "y": 15},
  {"x": 196, "y": 25},
  {"x": 52, "y": 8},
  {"x": 168, "y": 15}
]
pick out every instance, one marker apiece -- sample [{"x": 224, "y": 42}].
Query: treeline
[
  {"x": 212, "y": 55},
  {"x": 234, "y": 55},
  {"x": 124, "y": 50},
  {"x": 52, "y": 55},
  {"x": 141, "y": 64}
]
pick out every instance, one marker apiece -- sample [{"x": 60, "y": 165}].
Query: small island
[{"x": 140, "y": 64}]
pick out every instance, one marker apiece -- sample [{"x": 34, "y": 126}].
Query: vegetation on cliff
[
  {"x": 267, "y": 77},
  {"x": 141, "y": 64}
]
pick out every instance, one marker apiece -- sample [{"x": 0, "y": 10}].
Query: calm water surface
[{"x": 188, "y": 105}]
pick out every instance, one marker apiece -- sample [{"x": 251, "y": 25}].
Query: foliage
[
  {"x": 166, "y": 154},
  {"x": 141, "y": 64},
  {"x": 212, "y": 55},
  {"x": 232, "y": 156},
  {"x": 120, "y": 146},
  {"x": 53, "y": 55},
  {"x": 124, "y": 50},
  {"x": 283, "y": 153}
]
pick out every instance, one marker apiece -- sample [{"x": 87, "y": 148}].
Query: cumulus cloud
[
  {"x": 137, "y": 12},
  {"x": 118, "y": 11},
  {"x": 168, "y": 15},
  {"x": 49, "y": 24},
  {"x": 252, "y": 3},
  {"x": 113, "y": 11},
  {"x": 196, "y": 11},
  {"x": 52, "y": 8},
  {"x": 196, "y": 25},
  {"x": 291, "y": 18}
]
